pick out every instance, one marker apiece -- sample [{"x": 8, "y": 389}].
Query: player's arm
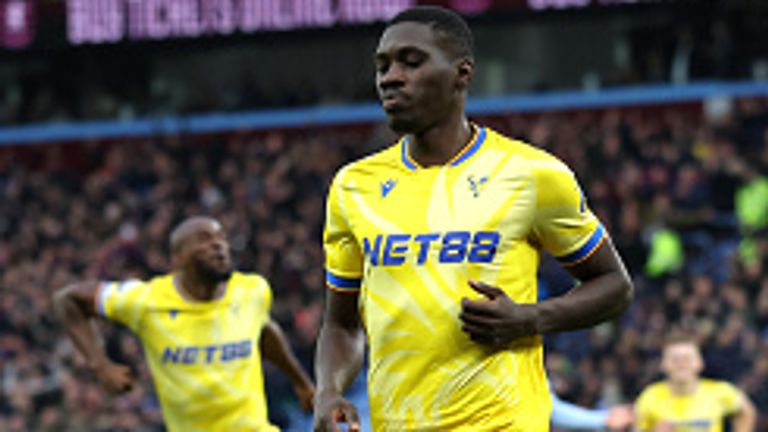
[
  {"x": 571, "y": 416},
  {"x": 75, "y": 306},
  {"x": 604, "y": 292},
  {"x": 745, "y": 418},
  {"x": 341, "y": 344},
  {"x": 275, "y": 348},
  {"x": 339, "y": 358},
  {"x": 564, "y": 226}
]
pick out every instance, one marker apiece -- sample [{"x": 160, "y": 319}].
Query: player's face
[
  {"x": 416, "y": 79},
  {"x": 682, "y": 362},
  {"x": 207, "y": 248}
]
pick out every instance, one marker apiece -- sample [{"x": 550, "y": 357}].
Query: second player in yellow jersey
[
  {"x": 204, "y": 329},
  {"x": 204, "y": 356}
]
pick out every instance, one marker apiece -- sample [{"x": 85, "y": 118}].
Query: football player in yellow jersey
[
  {"x": 685, "y": 402},
  {"x": 432, "y": 249},
  {"x": 203, "y": 328}
]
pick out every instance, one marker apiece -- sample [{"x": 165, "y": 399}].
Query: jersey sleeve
[
  {"x": 264, "y": 300},
  {"x": 343, "y": 258},
  {"x": 730, "y": 397},
  {"x": 123, "y": 301},
  {"x": 563, "y": 224}
]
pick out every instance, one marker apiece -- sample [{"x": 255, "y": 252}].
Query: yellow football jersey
[
  {"x": 204, "y": 356},
  {"x": 701, "y": 411},
  {"x": 408, "y": 238}
]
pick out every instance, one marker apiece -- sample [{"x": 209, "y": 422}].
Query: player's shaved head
[
  {"x": 457, "y": 37},
  {"x": 187, "y": 227}
]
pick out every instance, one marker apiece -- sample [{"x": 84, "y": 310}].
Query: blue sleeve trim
[
  {"x": 103, "y": 293},
  {"x": 587, "y": 249},
  {"x": 342, "y": 283}
]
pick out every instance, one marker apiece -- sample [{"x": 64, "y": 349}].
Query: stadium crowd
[{"x": 685, "y": 197}]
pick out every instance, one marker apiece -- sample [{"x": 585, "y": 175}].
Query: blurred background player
[
  {"x": 686, "y": 402},
  {"x": 204, "y": 328},
  {"x": 418, "y": 235}
]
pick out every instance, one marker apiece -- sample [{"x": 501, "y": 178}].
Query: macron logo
[{"x": 386, "y": 187}]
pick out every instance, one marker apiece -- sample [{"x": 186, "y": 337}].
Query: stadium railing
[{"x": 370, "y": 112}]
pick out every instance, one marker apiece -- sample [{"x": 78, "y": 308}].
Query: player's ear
[
  {"x": 464, "y": 71},
  {"x": 176, "y": 259}
]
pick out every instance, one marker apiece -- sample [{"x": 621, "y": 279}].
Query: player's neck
[
  {"x": 439, "y": 144},
  {"x": 683, "y": 388},
  {"x": 196, "y": 289}
]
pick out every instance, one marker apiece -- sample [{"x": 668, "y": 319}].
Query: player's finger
[
  {"x": 350, "y": 415},
  {"x": 472, "y": 328},
  {"x": 306, "y": 404},
  {"x": 480, "y": 308},
  {"x": 328, "y": 423},
  {"x": 484, "y": 334},
  {"x": 482, "y": 339},
  {"x": 480, "y": 320},
  {"x": 487, "y": 290}
]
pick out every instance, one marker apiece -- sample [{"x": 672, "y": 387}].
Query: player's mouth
[
  {"x": 393, "y": 102},
  {"x": 221, "y": 259}
]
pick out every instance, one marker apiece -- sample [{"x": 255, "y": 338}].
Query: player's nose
[
  {"x": 219, "y": 245},
  {"x": 393, "y": 76}
]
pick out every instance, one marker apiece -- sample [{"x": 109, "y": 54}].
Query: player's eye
[
  {"x": 413, "y": 59},
  {"x": 381, "y": 67},
  {"x": 413, "y": 62}
]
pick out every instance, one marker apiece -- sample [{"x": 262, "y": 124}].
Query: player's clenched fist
[
  {"x": 115, "y": 378},
  {"x": 332, "y": 410}
]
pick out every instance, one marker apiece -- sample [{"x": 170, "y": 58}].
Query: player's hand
[
  {"x": 497, "y": 320},
  {"x": 306, "y": 395},
  {"x": 115, "y": 378},
  {"x": 620, "y": 418},
  {"x": 331, "y": 410}
]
